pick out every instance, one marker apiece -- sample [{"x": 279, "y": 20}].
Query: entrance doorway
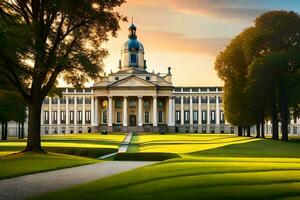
[{"x": 132, "y": 120}]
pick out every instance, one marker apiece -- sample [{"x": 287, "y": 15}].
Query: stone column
[
  {"x": 67, "y": 115},
  {"x": 208, "y": 111},
  {"x": 171, "y": 121},
  {"x": 208, "y": 115},
  {"x": 58, "y": 116},
  {"x": 154, "y": 111},
  {"x": 58, "y": 112},
  {"x": 217, "y": 111},
  {"x": 93, "y": 111},
  {"x": 83, "y": 113},
  {"x": 191, "y": 110},
  {"x": 199, "y": 111},
  {"x": 50, "y": 111},
  {"x": 173, "y": 111},
  {"x": 96, "y": 113},
  {"x": 110, "y": 114},
  {"x": 125, "y": 111},
  {"x": 42, "y": 115},
  {"x": 182, "y": 111},
  {"x": 140, "y": 106},
  {"x": 75, "y": 115}
]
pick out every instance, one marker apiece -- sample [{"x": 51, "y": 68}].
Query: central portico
[{"x": 134, "y": 99}]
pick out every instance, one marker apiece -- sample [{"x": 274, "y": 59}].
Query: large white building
[{"x": 134, "y": 99}]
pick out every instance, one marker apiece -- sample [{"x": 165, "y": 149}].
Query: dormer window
[
  {"x": 116, "y": 78},
  {"x": 147, "y": 78}
]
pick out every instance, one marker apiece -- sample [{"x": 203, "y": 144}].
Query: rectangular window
[
  {"x": 104, "y": 117},
  {"x": 204, "y": 117},
  {"x": 177, "y": 100},
  {"x": 203, "y": 99},
  {"x": 46, "y": 117},
  {"x": 222, "y": 119},
  {"x": 71, "y": 117},
  {"x": 186, "y": 89},
  {"x": 177, "y": 117},
  {"x": 54, "y": 117},
  {"x": 62, "y": 100},
  {"x": 186, "y": 117},
  {"x": 118, "y": 117},
  {"x": 79, "y": 100},
  {"x": 177, "y": 89},
  {"x": 71, "y": 100},
  {"x": 186, "y": 100},
  {"x": 54, "y": 101},
  {"x": 46, "y": 101},
  {"x": 195, "y": 100},
  {"x": 88, "y": 100},
  {"x": 79, "y": 114},
  {"x": 195, "y": 117},
  {"x": 195, "y": 89},
  {"x": 212, "y": 100},
  {"x": 88, "y": 117},
  {"x": 213, "y": 117},
  {"x": 160, "y": 117},
  {"x": 63, "y": 117},
  {"x": 147, "y": 117}
]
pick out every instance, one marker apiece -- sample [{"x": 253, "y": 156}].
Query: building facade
[{"x": 134, "y": 99}]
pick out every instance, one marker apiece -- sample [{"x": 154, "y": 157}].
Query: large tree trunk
[
  {"x": 19, "y": 130},
  {"x": 22, "y": 130},
  {"x": 262, "y": 128},
  {"x": 284, "y": 113},
  {"x": 240, "y": 131},
  {"x": 4, "y": 131},
  {"x": 275, "y": 135},
  {"x": 258, "y": 129},
  {"x": 248, "y": 131},
  {"x": 34, "y": 127}
]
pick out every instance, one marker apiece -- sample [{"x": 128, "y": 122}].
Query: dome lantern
[{"x": 132, "y": 53}]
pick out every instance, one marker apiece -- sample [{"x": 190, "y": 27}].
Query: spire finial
[{"x": 131, "y": 20}]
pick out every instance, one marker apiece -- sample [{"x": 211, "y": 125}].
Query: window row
[
  {"x": 186, "y": 100},
  {"x": 132, "y": 103},
  {"x": 195, "y": 119},
  {"x": 71, "y": 100},
  {"x": 146, "y": 118},
  {"x": 63, "y": 117}
]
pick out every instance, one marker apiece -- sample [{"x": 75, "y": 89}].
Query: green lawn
[
  {"x": 90, "y": 145},
  {"x": 28, "y": 163},
  {"x": 87, "y": 145},
  {"x": 211, "y": 167}
]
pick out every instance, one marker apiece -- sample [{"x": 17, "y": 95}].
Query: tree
[
  {"x": 12, "y": 108},
  {"x": 231, "y": 66},
  {"x": 277, "y": 39},
  {"x": 43, "y": 40},
  {"x": 263, "y": 69}
]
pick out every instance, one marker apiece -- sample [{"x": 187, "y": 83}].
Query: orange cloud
[
  {"x": 167, "y": 41},
  {"x": 232, "y": 9}
]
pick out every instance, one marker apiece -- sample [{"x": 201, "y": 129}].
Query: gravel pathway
[{"x": 26, "y": 186}]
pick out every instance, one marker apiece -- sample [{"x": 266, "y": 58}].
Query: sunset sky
[{"x": 187, "y": 35}]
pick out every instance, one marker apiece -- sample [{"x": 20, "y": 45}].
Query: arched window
[{"x": 133, "y": 59}]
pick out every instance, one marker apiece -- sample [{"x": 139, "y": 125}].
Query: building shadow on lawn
[{"x": 264, "y": 148}]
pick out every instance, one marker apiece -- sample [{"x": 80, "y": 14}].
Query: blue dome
[{"x": 133, "y": 44}]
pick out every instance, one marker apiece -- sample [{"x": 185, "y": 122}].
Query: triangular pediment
[{"x": 132, "y": 81}]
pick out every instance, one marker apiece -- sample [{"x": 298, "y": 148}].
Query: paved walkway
[
  {"x": 30, "y": 185},
  {"x": 124, "y": 145},
  {"x": 122, "y": 148}
]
